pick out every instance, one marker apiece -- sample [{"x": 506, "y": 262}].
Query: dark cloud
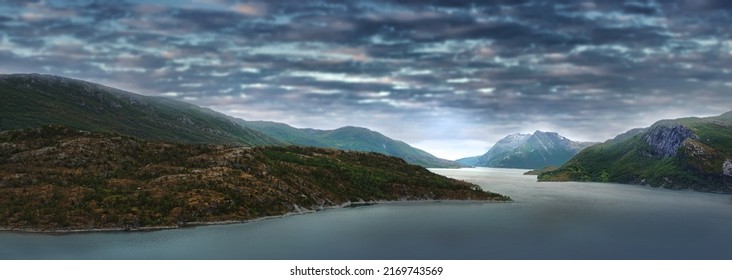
[
  {"x": 459, "y": 3},
  {"x": 493, "y": 67},
  {"x": 222, "y": 21},
  {"x": 629, "y": 36},
  {"x": 708, "y": 4},
  {"x": 639, "y": 8},
  {"x": 21, "y": 2}
]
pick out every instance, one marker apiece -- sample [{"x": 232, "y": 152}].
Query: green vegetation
[
  {"x": 58, "y": 178},
  {"x": 34, "y": 100},
  {"x": 352, "y": 139},
  {"x": 637, "y": 157}
]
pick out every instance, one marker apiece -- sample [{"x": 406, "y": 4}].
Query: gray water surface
[{"x": 546, "y": 221}]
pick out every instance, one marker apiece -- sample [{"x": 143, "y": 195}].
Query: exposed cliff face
[
  {"x": 685, "y": 153},
  {"x": 666, "y": 137}
]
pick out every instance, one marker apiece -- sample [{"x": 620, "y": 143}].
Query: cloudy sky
[{"x": 451, "y": 77}]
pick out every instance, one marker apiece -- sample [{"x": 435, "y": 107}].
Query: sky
[{"x": 451, "y": 77}]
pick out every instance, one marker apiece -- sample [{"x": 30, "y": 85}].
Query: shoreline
[{"x": 301, "y": 211}]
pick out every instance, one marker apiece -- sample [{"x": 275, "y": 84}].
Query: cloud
[
  {"x": 707, "y": 4},
  {"x": 640, "y": 8},
  {"x": 250, "y": 9}
]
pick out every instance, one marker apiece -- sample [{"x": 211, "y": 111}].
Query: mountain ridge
[
  {"x": 32, "y": 100},
  {"x": 528, "y": 151},
  {"x": 350, "y": 138}
]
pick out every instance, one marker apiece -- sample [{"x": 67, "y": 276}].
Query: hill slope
[
  {"x": 32, "y": 100},
  {"x": 56, "y": 178},
  {"x": 693, "y": 153},
  {"x": 528, "y": 151},
  {"x": 352, "y": 139}
]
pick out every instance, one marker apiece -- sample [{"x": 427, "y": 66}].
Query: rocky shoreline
[{"x": 302, "y": 211}]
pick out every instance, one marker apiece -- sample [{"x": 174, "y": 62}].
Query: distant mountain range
[
  {"x": 693, "y": 153},
  {"x": 349, "y": 138},
  {"x": 502, "y": 147},
  {"x": 528, "y": 151},
  {"x": 33, "y": 100}
]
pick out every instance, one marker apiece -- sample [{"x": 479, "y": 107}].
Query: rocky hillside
[
  {"x": 32, "y": 100},
  {"x": 528, "y": 151},
  {"x": 352, "y": 139},
  {"x": 693, "y": 153},
  {"x": 57, "y": 178}
]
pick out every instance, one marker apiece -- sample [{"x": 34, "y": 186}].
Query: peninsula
[{"x": 56, "y": 178}]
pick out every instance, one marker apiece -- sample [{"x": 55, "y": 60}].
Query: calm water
[{"x": 547, "y": 221}]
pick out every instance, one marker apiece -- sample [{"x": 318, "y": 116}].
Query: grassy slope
[
  {"x": 351, "y": 138},
  {"x": 35, "y": 100},
  {"x": 56, "y": 178}
]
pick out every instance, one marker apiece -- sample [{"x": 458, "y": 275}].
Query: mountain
[
  {"x": 503, "y": 146},
  {"x": 688, "y": 153},
  {"x": 32, "y": 100},
  {"x": 528, "y": 151},
  {"x": 58, "y": 178},
  {"x": 352, "y": 139}
]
